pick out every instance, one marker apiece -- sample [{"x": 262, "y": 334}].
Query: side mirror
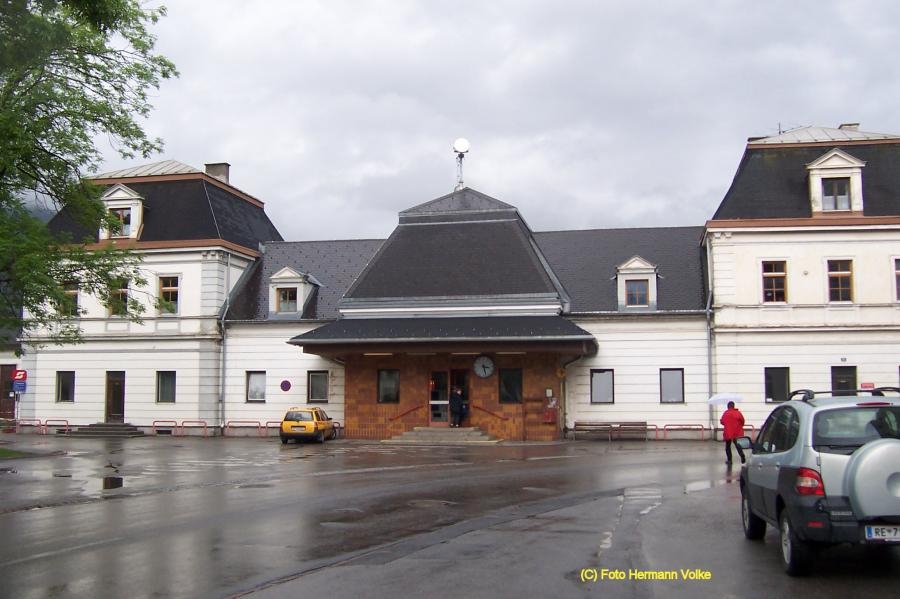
[{"x": 744, "y": 443}]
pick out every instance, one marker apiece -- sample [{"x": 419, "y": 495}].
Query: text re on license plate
[{"x": 890, "y": 533}]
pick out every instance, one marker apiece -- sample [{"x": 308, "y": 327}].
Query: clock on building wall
[{"x": 484, "y": 366}]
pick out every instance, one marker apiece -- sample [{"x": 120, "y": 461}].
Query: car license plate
[
  {"x": 298, "y": 428},
  {"x": 883, "y": 533}
]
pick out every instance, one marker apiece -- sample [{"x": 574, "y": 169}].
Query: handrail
[
  {"x": 257, "y": 423},
  {"x": 494, "y": 414},
  {"x": 31, "y": 422},
  {"x": 273, "y": 424},
  {"x": 194, "y": 422},
  {"x": 56, "y": 422},
  {"x": 409, "y": 411},
  {"x": 684, "y": 427}
]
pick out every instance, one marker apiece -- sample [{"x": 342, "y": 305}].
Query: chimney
[
  {"x": 849, "y": 126},
  {"x": 218, "y": 170}
]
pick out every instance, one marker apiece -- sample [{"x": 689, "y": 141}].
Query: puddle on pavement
[
  {"x": 538, "y": 490},
  {"x": 7, "y": 471},
  {"x": 705, "y": 485},
  {"x": 426, "y": 503},
  {"x": 254, "y": 486}
]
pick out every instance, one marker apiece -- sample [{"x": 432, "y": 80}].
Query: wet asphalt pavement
[{"x": 215, "y": 517}]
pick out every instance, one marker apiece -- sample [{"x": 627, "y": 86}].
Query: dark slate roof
[
  {"x": 586, "y": 261},
  {"x": 334, "y": 264},
  {"x": 188, "y": 210},
  {"x": 462, "y": 204},
  {"x": 465, "y": 244},
  {"x": 772, "y": 182},
  {"x": 487, "y": 328}
]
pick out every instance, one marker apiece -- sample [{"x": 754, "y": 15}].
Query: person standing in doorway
[
  {"x": 733, "y": 422},
  {"x": 456, "y": 407}
]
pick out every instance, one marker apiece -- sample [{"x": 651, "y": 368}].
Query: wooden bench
[{"x": 612, "y": 430}]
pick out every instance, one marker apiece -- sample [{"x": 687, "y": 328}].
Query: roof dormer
[
  {"x": 636, "y": 285},
  {"x": 289, "y": 292},
  {"x": 835, "y": 183},
  {"x": 127, "y": 206}
]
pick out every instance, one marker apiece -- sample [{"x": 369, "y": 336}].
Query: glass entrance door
[{"x": 439, "y": 400}]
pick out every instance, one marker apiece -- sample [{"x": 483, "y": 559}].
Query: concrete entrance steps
[
  {"x": 426, "y": 435},
  {"x": 106, "y": 430}
]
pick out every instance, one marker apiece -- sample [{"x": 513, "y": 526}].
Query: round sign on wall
[{"x": 285, "y": 386}]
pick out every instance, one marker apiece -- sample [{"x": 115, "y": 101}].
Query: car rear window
[
  {"x": 302, "y": 416},
  {"x": 854, "y": 426}
]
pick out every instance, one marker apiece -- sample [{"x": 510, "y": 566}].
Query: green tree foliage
[{"x": 71, "y": 72}]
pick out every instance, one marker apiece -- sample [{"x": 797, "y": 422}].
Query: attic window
[
  {"x": 286, "y": 300},
  {"x": 835, "y": 194},
  {"x": 127, "y": 208},
  {"x": 637, "y": 292},
  {"x": 289, "y": 291},
  {"x": 835, "y": 183},
  {"x": 636, "y": 285},
  {"x": 123, "y": 215}
]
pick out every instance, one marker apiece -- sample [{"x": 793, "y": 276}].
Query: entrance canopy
[{"x": 348, "y": 336}]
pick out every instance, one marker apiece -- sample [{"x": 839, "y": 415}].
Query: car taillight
[{"x": 809, "y": 482}]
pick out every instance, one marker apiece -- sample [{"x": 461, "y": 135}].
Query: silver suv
[{"x": 825, "y": 470}]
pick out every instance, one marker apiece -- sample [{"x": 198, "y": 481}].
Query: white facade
[
  {"x": 636, "y": 350},
  {"x": 182, "y": 338},
  {"x": 808, "y": 334},
  {"x": 263, "y": 348}
]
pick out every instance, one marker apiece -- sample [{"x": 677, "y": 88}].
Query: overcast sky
[{"x": 583, "y": 114}]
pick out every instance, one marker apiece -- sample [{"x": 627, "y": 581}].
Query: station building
[{"x": 793, "y": 282}]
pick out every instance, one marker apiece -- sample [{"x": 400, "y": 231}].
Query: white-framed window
[
  {"x": 286, "y": 299},
  {"x": 69, "y": 305},
  {"x": 897, "y": 278},
  {"x": 168, "y": 294},
  {"x": 118, "y": 298},
  {"x": 123, "y": 216},
  {"x": 636, "y": 285},
  {"x": 165, "y": 386},
  {"x": 317, "y": 386},
  {"x": 774, "y": 281},
  {"x": 256, "y": 385},
  {"x": 671, "y": 385},
  {"x": 835, "y": 183},
  {"x": 637, "y": 292},
  {"x": 289, "y": 290},
  {"x": 602, "y": 385},
  {"x": 840, "y": 280},
  {"x": 835, "y": 194}
]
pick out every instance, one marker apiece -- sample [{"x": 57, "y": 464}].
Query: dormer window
[
  {"x": 637, "y": 293},
  {"x": 289, "y": 291},
  {"x": 125, "y": 206},
  {"x": 835, "y": 194},
  {"x": 636, "y": 284},
  {"x": 835, "y": 183},
  {"x": 287, "y": 299},
  {"x": 123, "y": 215}
]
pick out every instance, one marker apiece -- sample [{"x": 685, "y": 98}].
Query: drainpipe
[
  {"x": 223, "y": 329},
  {"x": 709, "y": 338}
]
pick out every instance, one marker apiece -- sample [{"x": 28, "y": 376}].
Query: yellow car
[{"x": 307, "y": 423}]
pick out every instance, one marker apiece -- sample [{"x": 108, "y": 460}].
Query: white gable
[{"x": 636, "y": 263}]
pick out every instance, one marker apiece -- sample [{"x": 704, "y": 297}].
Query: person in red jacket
[{"x": 733, "y": 422}]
